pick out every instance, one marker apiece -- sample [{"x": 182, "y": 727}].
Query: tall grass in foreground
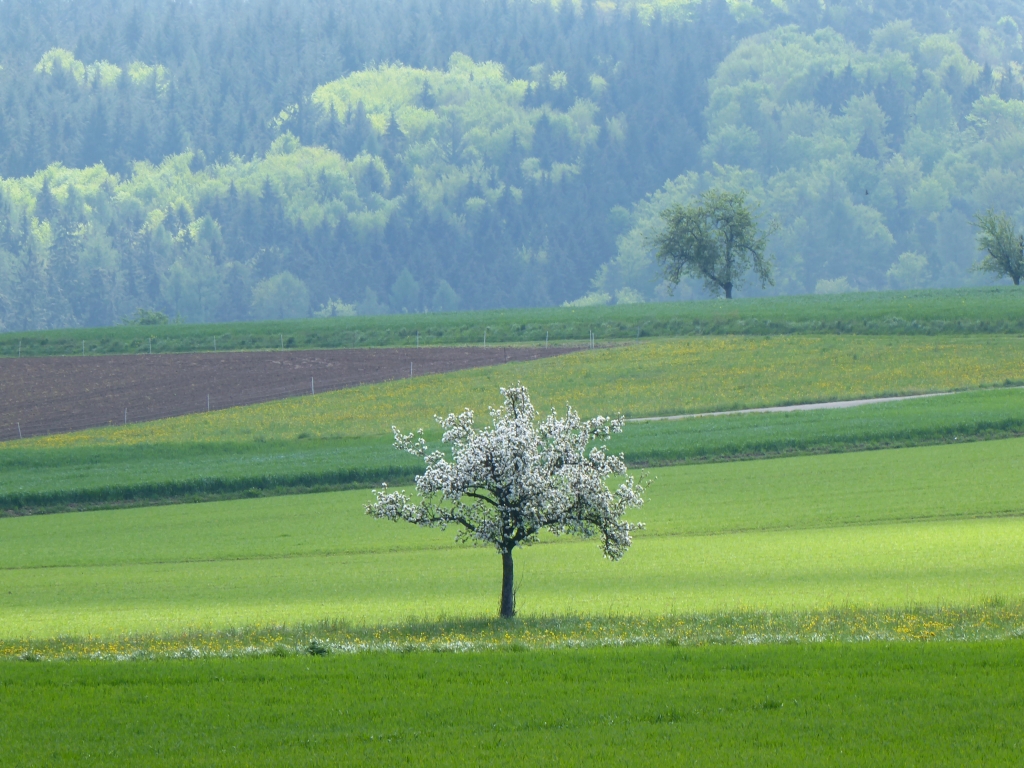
[{"x": 778, "y": 705}]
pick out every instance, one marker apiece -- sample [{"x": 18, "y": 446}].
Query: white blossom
[{"x": 504, "y": 484}]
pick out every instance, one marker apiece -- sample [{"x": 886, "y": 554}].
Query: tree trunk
[
  {"x": 1016, "y": 279},
  {"x": 728, "y": 290},
  {"x": 508, "y": 596}
]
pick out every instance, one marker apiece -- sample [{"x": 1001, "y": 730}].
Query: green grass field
[
  {"x": 47, "y": 479},
  {"x": 772, "y": 612},
  {"x": 342, "y": 439},
  {"x": 860, "y": 705},
  {"x": 978, "y": 415},
  {"x": 970, "y": 310},
  {"x": 932, "y": 704},
  {"x": 934, "y": 525}
]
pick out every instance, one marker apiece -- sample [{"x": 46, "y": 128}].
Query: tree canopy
[
  {"x": 504, "y": 484},
  {"x": 1002, "y": 244},
  {"x": 873, "y": 156},
  {"x": 714, "y": 239}
]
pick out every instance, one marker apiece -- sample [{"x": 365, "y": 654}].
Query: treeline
[
  {"x": 220, "y": 161},
  {"x": 874, "y": 161},
  {"x": 223, "y": 71},
  {"x": 227, "y": 80}
]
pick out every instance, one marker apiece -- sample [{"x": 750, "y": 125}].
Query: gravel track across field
[
  {"x": 830, "y": 405},
  {"x": 47, "y": 395}
]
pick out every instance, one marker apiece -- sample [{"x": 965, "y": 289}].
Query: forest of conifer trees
[{"x": 223, "y": 160}]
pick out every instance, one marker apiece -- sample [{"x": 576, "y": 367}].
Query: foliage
[
  {"x": 1004, "y": 247},
  {"x": 280, "y": 297},
  {"x": 716, "y": 240},
  {"x": 176, "y": 156},
  {"x": 145, "y": 317},
  {"x": 508, "y": 483},
  {"x": 467, "y": 149},
  {"x": 445, "y": 298},
  {"x": 865, "y": 148},
  {"x": 910, "y": 270}
]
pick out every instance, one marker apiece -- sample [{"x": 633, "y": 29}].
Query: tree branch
[{"x": 476, "y": 495}]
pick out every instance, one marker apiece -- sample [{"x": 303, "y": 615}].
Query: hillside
[{"x": 491, "y": 155}]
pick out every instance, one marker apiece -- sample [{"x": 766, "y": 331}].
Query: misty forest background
[{"x": 231, "y": 159}]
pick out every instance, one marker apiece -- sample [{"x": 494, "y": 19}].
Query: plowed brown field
[{"x": 45, "y": 395}]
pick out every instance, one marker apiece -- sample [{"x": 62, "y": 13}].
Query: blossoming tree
[{"x": 504, "y": 484}]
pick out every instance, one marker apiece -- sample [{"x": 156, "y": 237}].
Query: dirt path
[
  {"x": 47, "y": 395},
  {"x": 788, "y": 408}
]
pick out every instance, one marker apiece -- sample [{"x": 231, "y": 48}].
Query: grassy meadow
[
  {"x": 919, "y": 526},
  {"x": 925, "y": 312},
  {"x": 935, "y": 704},
  {"x": 772, "y": 611},
  {"x": 41, "y": 478}
]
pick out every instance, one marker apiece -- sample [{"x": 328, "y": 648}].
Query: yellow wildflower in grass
[{"x": 989, "y": 621}]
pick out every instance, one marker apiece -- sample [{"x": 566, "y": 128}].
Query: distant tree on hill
[
  {"x": 280, "y": 297},
  {"x": 504, "y": 484},
  {"x": 445, "y": 298},
  {"x": 405, "y": 293},
  {"x": 370, "y": 305},
  {"x": 1002, "y": 244},
  {"x": 715, "y": 239}
]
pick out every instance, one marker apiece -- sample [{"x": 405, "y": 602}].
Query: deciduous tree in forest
[
  {"x": 1002, "y": 244},
  {"x": 715, "y": 239},
  {"x": 505, "y": 484}
]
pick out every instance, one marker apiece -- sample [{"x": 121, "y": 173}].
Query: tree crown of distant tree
[
  {"x": 1002, "y": 244},
  {"x": 504, "y": 484},
  {"x": 715, "y": 239}
]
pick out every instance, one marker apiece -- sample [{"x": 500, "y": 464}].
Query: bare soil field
[{"x": 47, "y": 395}]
